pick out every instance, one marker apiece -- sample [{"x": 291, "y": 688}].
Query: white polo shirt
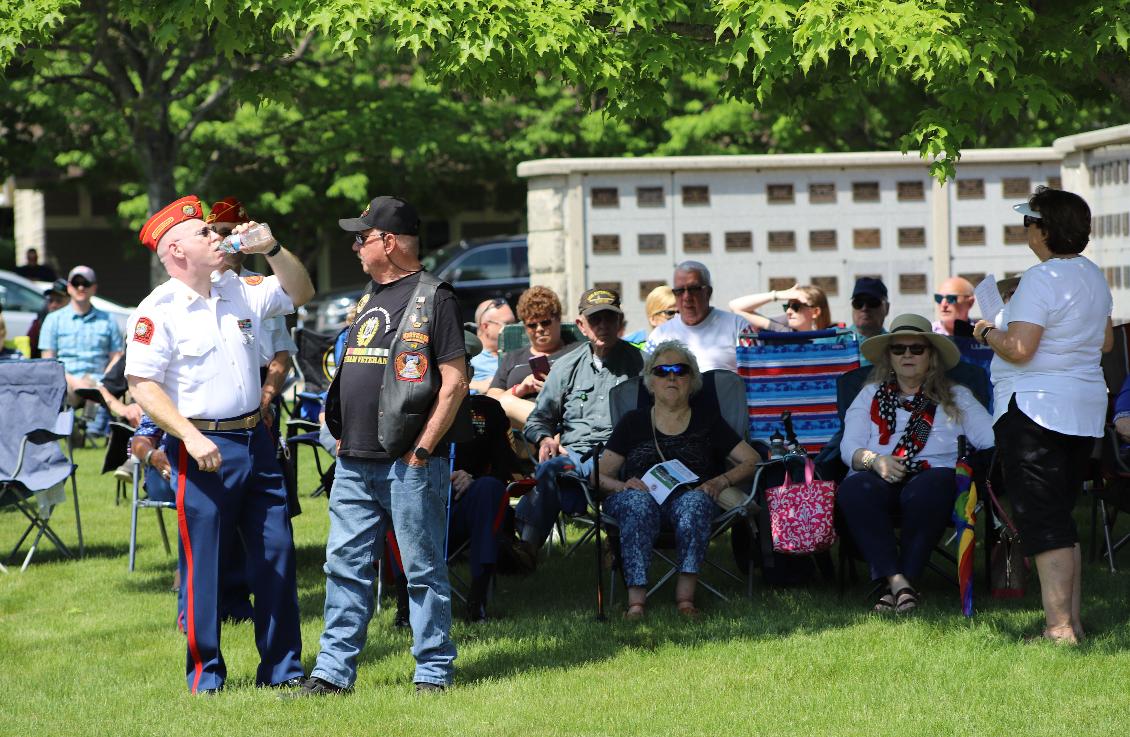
[
  {"x": 714, "y": 341},
  {"x": 205, "y": 353}
]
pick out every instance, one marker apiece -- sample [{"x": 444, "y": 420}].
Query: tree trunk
[{"x": 158, "y": 154}]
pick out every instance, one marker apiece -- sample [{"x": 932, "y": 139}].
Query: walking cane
[{"x": 595, "y": 485}]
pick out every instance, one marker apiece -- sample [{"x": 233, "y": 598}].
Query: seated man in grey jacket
[{"x": 573, "y": 415}]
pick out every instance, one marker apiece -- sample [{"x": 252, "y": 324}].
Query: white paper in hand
[
  {"x": 663, "y": 478},
  {"x": 989, "y": 298}
]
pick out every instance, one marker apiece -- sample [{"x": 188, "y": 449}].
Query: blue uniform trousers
[
  {"x": 246, "y": 495},
  {"x": 478, "y": 516}
]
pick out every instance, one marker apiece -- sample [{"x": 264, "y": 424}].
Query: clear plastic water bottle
[
  {"x": 254, "y": 236},
  {"x": 776, "y": 445}
]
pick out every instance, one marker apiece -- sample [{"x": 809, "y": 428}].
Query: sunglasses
[
  {"x": 222, "y": 232},
  {"x": 360, "y": 239},
  {"x": 796, "y": 306},
  {"x": 866, "y": 303},
  {"x": 949, "y": 298},
  {"x": 671, "y": 369},
  {"x": 533, "y": 324},
  {"x": 1031, "y": 220},
  {"x": 668, "y": 313},
  {"x": 692, "y": 290},
  {"x": 79, "y": 283},
  {"x": 898, "y": 349}
]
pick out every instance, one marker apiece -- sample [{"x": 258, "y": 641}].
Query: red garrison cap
[
  {"x": 228, "y": 210},
  {"x": 186, "y": 208}
]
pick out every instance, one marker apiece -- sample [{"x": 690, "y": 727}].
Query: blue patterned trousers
[{"x": 640, "y": 518}]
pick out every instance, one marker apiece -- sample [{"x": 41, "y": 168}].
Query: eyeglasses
[
  {"x": 949, "y": 298},
  {"x": 866, "y": 303},
  {"x": 668, "y": 313},
  {"x": 897, "y": 349},
  {"x": 796, "y": 306},
  {"x": 1031, "y": 220},
  {"x": 533, "y": 324},
  {"x": 691, "y": 291},
  {"x": 222, "y": 232},
  {"x": 671, "y": 369},
  {"x": 79, "y": 283}
]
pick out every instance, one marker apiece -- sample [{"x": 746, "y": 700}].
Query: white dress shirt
[
  {"x": 275, "y": 336},
  {"x": 205, "y": 353}
]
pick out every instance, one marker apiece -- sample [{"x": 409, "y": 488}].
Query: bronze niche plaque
[
  {"x": 605, "y": 197},
  {"x": 1055, "y": 183},
  {"x": 971, "y": 189},
  {"x": 822, "y": 240},
  {"x": 696, "y": 242},
  {"x": 647, "y": 286},
  {"x": 611, "y": 286},
  {"x": 911, "y": 191},
  {"x": 821, "y": 193},
  {"x": 971, "y": 235},
  {"x": 650, "y": 197},
  {"x": 1015, "y": 235},
  {"x": 652, "y": 243},
  {"x": 912, "y": 237},
  {"x": 779, "y": 194},
  {"x": 866, "y": 238},
  {"x": 739, "y": 240},
  {"x": 782, "y": 240},
  {"x": 1020, "y": 187},
  {"x": 696, "y": 194},
  {"x": 865, "y": 191},
  {"x": 605, "y": 244},
  {"x": 912, "y": 283},
  {"x": 830, "y": 284},
  {"x": 781, "y": 283}
]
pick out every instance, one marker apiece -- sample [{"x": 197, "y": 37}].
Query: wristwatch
[
  {"x": 985, "y": 333},
  {"x": 274, "y": 251},
  {"x": 421, "y": 453}
]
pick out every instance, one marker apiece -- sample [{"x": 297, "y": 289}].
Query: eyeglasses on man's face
[
  {"x": 866, "y": 303},
  {"x": 1031, "y": 220},
  {"x": 80, "y": 283},
  {"x": 949, "y": 298},
  {"x": 360, "y": 238},
  {"x": 898, "y": 349},
  {"x": 692, "y": 290}
]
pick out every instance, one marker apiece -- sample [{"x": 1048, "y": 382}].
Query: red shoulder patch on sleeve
[
  {"x": 143, "y": 330},
  {"x": 253, "y": 280}
]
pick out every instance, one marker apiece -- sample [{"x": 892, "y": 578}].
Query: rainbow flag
[{"x": 965, "y": 522}]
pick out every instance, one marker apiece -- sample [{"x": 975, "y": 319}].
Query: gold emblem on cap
[
  {"x": 188, "y": 209},
  {"x": 601, "y": 297}
]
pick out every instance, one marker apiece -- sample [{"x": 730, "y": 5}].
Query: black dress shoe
[
  {"x": 296, "y": 682},
  {"x": 430, "y": 688},
  {"x": 314, "y": 686}
]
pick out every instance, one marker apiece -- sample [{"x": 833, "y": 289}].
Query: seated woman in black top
[
  {"x": 670, "y": 431},
  {"x": 516, "y": 384}
]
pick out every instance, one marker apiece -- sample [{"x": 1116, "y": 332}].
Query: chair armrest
[
  {"x": 306, "y": 425},
  {"x": 88, "y": 394},
  {"x": 64, "y": 425}
]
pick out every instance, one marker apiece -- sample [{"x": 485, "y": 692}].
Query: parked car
[
  {"x": 478, "y": 269},
  {"x": 23, "y": 298}
]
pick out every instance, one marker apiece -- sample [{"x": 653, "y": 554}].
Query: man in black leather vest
[{"x": 395, "y": 406}]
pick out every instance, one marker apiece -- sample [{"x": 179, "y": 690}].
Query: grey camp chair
[
  {"x": 724, "y": 390},
  {"x": 33, "y": 467}
]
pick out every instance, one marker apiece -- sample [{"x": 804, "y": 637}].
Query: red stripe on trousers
[{"x": 182, "y": 521}]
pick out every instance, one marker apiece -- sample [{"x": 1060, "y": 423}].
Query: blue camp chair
[{"x": 33, "y": 467}]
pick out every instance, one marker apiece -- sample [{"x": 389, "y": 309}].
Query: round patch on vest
[
  {"x": 411, "y": 366},
  {"x": 252, "y": 281},
  {"x": 362, "y": 302},
  {"x": 143, "y": 331}
]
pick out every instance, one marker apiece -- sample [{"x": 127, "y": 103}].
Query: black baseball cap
[
  {"x": 59, "y": 286},
  {"x": 597, "y": 299},
  {"x": 869, "y": 286},
  {"x": 391, "y": 214}
]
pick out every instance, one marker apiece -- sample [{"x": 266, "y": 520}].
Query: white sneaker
[{"x": 124, "y": 472}]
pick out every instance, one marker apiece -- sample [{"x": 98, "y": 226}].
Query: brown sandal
[{"x": 688, "y": 609}]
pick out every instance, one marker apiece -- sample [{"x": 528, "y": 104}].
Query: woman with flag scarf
[{"x": 900, "y": 441}]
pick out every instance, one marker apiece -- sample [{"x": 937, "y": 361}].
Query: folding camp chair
[
  {"x": 315, "y": 366},
  {"x": 33, "y": 468},
  {"x": 153, "y": 499},
  {"x": 1111, "y": 488},
  {"x": 722, "y": 392}
]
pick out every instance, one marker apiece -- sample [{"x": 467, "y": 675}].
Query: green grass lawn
[{"x": 88, "y": 648}]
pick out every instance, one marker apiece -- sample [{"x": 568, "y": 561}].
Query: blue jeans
[
  {"x": 366, "y": 497},
  {"x": 537, "y": 511}
]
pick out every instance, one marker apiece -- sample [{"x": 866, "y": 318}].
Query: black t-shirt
[
  {"x": 488, "y": 452},
  {"x": 363, "y": 363},
  {"x": 514, "y": 366},
  {"x": 702, "y": 447}
]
